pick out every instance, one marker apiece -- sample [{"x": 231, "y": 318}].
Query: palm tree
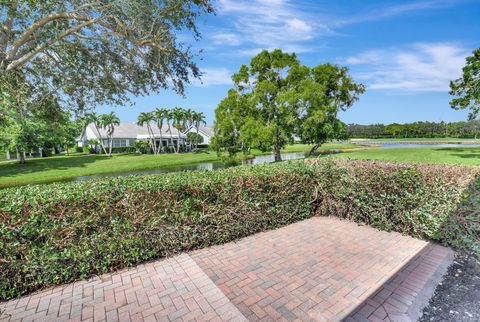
[
  {"x": 179, "y": 120},
  {"x": 147, "y": 118},
  {"x": 108, "y": 122},
  {"x": 198, "y": 119},
  {"x": 96, "y": 120},
  {"x": 189, "y": 116},
  {"x": 160, "y": 115}
]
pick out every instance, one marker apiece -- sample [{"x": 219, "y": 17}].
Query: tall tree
[
  {"x": 327, "y": 90},
  {"x": 146, "y": 118},
  {"x": 160, "y": 115},
  {"x": 467, "y": 88},
  {"x": 179, "y": 123},
  {"x": 275, "y": 98},
  {"x": 198, "y": 119},
  {"x": 83, "y": 53},
  {"x": 109, "y": 121},
  {"x": 95, "y": 119}
]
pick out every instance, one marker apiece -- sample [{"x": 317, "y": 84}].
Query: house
[
  {"x": 126, "y": 134},
  {"x": 206, "y": 132}
]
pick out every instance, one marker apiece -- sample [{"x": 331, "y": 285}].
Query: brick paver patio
[{"x": 321, "y": 269}]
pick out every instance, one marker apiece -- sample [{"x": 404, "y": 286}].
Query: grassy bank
[
  {"x": 65, "y": 167},
  {"x": 439, "y": 155},
  {"x": 65, "y": 231}
]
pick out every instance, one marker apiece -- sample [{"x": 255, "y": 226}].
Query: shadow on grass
[
  {"x": 466, "y": 153},
  {"x": 32, "y": 166}
]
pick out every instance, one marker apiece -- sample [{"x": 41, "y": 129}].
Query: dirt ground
[{"x": 457, "y": 297}]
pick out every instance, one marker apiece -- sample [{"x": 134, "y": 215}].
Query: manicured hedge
[{"x": 57, "y": 233}]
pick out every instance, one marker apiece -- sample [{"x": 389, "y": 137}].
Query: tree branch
[{"x": 18, "y": 62}]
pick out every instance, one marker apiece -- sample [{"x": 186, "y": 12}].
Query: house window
[{"x": 117, "y": 143}]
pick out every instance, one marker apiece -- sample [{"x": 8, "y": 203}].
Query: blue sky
[{"x": 405, "y": 52}]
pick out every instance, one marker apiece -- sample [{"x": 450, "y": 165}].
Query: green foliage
[
  {"x": 62, "y": 232},
  {"x": 86, "y": 54},
  {"x": 275, "y": 98},
  {"x": 194, "y": 138},
  {"x": 141, "y": 146},
  {"x": 467, "y": 88},
  {"x": 462, "y": 229}
]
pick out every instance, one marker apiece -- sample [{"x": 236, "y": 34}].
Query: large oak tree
[
  {"x": 275, "y": 98},
  {"x": 81, "y": 53}
]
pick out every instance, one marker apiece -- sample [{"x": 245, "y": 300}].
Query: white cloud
[
  {"x": 226, "y": 38},
  {"x": 395, "y": 10},
  {"x": 369, "y": 57},
  {"x": 419, "y": 67},
  {"x": 268, "y": 24},
  {"x": 214, "y": 77}
]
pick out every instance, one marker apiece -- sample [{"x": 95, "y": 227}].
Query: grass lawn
[
  {"x": 448, "y": 155},
  {"x": 414, "y": 140},
  {"x": 65, "y": 167}
]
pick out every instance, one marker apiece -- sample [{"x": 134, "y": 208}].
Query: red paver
[
  {"x": 321, "y": 269},
  {"x": 174, "y": 289}
]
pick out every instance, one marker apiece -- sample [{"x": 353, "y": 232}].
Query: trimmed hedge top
[{"x": 57, "y": 233}]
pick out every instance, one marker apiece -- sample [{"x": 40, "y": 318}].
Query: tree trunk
[
  {"x": 110, "y": 145},
  {"x": 314, "y": 149},
  {"x": 22, "y": 158},
  {"x": 276, "y": 154},
  {"x": 100, "y": 140},
  {"x": 196, "y": 140},
  {"x": 7, "y": 152}
]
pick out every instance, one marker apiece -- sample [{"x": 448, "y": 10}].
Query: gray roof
[
  {"x": 131, "y": 130},
  {"x": 207, "y": 130}
]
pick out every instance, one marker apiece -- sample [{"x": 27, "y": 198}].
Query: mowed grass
[
  {"x": 419, "y": 140},
  {"x": 64, "y": 167},
  {"x": 437, "y": 155}
]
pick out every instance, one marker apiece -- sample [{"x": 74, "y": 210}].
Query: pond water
[
  {"x": 197, "y": 166},
  {"x": 423, "y": 145}
]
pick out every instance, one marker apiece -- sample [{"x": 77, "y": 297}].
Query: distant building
[
  {"x": 205, "y": 131},
  {"x": 126, "y": 134}
]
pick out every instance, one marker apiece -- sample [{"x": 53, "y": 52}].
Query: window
[{"x": 117, "y": 143}]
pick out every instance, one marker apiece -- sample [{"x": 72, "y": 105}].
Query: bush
[
  {"x": 142, "y": 146},
  {"x": 462, "y": 228},
  {"x": 57, "y": 233},
  {"x": 414, "y": 200},
  {"x": 61, "y": 232}
]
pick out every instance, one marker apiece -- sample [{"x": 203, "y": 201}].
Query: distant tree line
[{"x": 468, "y": 129}]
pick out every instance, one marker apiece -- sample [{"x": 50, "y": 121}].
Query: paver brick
[{"x": 321, "y": 269}]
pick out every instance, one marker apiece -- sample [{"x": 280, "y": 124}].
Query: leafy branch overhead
[{"x": 86, "y": 52}]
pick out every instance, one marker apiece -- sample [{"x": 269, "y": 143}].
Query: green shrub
[
  {"x": 57, "y": 233},
  {"x": 414, "y": 200},
  {"x": 142, "y": 146},
  {"x": 462, "y": 228}
]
